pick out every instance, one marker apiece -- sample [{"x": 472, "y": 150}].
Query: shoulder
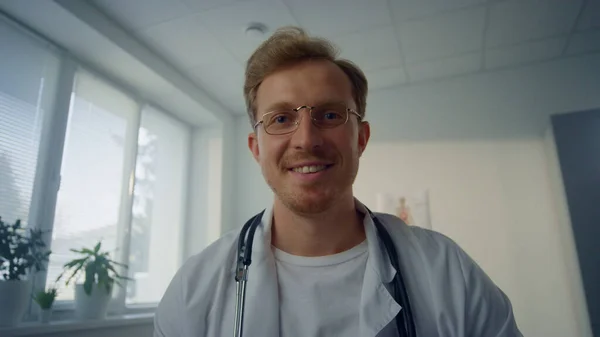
[
  {"x": 488, "y": 311},
  {"x": 416, "y": 237},
  {"x": 194, "y": 284},
  {"x": 210, "y": 262},
  {"x": 431, "y": 249},
  {"x": 200, "y": 272}
]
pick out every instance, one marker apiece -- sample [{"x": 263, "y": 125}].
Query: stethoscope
[{"x": 404, "y": 321}]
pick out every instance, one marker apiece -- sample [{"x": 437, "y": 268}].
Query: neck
[{"x": 333, "y": 231}]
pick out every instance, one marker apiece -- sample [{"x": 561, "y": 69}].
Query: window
[
  {"x": 93, "y": 173},
  {"x": 28, "y": 74},
  {"x": 123, "y": 168},
  {"x": 158, "y": 205},
  {"x": 108, "y": 141}
]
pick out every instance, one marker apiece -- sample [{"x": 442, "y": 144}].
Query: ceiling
[
  {"x": 188, "y": 56},
  {"x": 396, "y": 42}
]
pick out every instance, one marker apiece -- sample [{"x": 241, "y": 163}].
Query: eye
[
  {"x": 280, "y": 119},
  {"x": 332, "y": 115}
]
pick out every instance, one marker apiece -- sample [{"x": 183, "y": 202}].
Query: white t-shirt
[{"x": 320, "y": 296}]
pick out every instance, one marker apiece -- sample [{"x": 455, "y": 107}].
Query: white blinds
[
  {"x": 28, "y": 74},
  {"x": 104, "y": 96}
]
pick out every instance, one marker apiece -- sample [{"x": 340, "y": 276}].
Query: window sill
[{"x": 27, "y": 329}]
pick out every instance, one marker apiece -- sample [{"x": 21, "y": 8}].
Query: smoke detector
[{"x": 256, "y": 30}]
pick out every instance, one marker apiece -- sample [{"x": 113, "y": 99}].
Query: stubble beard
[{"x": 314, "y": 198}]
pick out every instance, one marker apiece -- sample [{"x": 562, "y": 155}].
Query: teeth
[{"x": 309, "y": 169}]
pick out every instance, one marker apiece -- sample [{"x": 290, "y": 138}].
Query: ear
[
  {"x": 253, "y": 145},
  {"x": 364, "y": 132}
]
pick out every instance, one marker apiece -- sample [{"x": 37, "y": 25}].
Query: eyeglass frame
[{"x": 297, "y": 123}]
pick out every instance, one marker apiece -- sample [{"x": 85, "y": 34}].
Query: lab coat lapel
[
  {"x": 378, "y": 307},
  {"x": 262, "y": 291}
]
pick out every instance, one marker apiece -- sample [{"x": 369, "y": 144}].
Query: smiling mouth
[{"x": 310, "y": 168}]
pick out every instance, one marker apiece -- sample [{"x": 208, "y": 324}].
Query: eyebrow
[
  {"x": 278, "y": 106},
  {"x": 288, "y": 105}
]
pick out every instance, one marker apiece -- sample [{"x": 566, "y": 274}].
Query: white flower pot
[
  {"x": 92, "y": 306},
  {"x": 14, "y": 296},
  {"x": 45, "y": 315}
]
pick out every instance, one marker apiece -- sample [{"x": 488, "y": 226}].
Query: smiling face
[{"x": 311, "y": 168}]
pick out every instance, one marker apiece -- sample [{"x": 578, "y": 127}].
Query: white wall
[
  {"x": 492, "y": 197},
  {"x": 477, "y": 143},
  {"x": 212, "y": 193},
  {"x": 203, "y": 224},
  {"x": 229, "y": 176},
  {"x": 251, "y": 192}
]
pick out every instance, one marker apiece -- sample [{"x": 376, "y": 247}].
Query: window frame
[{"x": 48, "y": 174}]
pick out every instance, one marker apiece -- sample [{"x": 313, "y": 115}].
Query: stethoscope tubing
[{"x": 404, "y": 322}]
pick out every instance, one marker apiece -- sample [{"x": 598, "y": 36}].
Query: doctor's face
[{"x": 310, "y": 168}]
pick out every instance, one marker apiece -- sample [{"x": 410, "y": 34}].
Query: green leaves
[
  {"x": 21, "y": 250},
  {"x": 90, "y": 271},
  {"x": 82, "y": 251},
  {"x": 77, "y": 265},
  {"x": 97, "y": 248},
  {"x": 97, "y": 267},
  {"x": 45, "y": 299}
]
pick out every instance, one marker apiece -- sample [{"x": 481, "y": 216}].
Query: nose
[{"x": 307, "y": 136}]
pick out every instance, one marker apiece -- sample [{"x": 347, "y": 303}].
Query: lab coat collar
[
  {"x": 378, "y": 307},
  {"x": 380, "y": 261}
]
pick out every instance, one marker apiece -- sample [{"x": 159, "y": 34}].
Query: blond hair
[{"x": 289, "y": 45}]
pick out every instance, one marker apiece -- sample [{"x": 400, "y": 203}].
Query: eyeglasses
[{"x": 327, "y": 116}]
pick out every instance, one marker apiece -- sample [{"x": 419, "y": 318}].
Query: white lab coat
[{"x": 449, "y": 294}]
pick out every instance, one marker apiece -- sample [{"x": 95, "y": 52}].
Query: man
[{"x": 318, "y": 264}]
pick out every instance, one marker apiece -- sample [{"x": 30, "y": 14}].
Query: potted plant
[
  {"x": 45, "y": 299},
  {"x": 21, "y": 252},
  {"x": 100, "y": 275}
]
